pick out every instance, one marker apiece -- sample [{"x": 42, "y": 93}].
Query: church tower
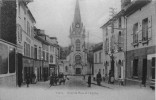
[{"x": 77, "y": 36}]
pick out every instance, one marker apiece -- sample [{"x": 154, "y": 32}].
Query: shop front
[
  {"x": 28, "y": 69},
  {"x": 45, "y": 70},
  {"x": 37, "y": 69},
  {"x": 52, "y": 69}
]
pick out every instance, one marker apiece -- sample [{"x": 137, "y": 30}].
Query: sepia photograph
[{"x": 77, "y": 49}]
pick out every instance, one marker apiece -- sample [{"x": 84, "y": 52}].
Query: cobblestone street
[{"x": 75, "y": 88}]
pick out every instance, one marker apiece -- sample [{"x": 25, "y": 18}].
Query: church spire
[{"x": 77, "y": 16}]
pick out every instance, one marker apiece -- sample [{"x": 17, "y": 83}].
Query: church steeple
[{"x": 77, "y": 15}]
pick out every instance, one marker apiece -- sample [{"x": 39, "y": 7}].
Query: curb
[{"x": 101, "y": 85}]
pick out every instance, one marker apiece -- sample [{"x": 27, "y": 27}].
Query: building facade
[
  {"x": 7, "y": 43},
  {"x": 78, "y": 56},
  {"x": 129, "y": 41},
  {"x": 98, "y": 60},
  {"x": 114, "y": 55},
  {"x": 27, "y": 48},
  {"x": 140, "y": 40}
]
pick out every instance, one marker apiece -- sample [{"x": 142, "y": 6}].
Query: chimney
[{"x": 125, "y": 3}]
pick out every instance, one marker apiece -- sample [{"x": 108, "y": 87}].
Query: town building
[
  {"x": 27, "y": 48},
  {"x": 25, "y": 40},
  {"x": 78, "y": 55},
  {"x": 129, "y": 41},
  {"x": 54, "y": 56},
  {"x": 114, "y": 55},
  {"x": 98, "y": 60},
  {"x": 7, "y": 43},
  {"x": 140, "y": 42}
]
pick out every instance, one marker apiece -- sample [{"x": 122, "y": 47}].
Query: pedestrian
[
  {"x": 89, "y": 80},
  {"x": 109, "y": 79},
  {"x": 20, "y": 81},
  {"x": 55, "y": 79},
  {"x": 51, "y": 80},
  {"x": 84, "y": 77},
  {"x": 99, "y": 78},
  {"x": 27, "y": 80}
]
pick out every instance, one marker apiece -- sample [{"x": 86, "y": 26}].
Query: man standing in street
[{"x": 99, "y": 78}]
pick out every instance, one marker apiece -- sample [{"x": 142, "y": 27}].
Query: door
[
  {"x": 19, "y": 69},
  {"x": 144, "y": 71},
  {"x": 78, "y": 70}
]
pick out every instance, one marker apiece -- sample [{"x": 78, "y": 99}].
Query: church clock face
[{"x": 77, "y": 25}]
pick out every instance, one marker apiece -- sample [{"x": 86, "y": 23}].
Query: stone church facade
[{"x": 78, "y": 57}]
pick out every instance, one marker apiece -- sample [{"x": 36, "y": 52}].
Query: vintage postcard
[{"x": 77, "y": 49}]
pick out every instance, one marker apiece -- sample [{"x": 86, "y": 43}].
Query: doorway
[
  {"x": 144, "y": 71},
  {"x": 78, "y": 70}
]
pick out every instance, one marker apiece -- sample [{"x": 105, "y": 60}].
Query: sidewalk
[{"x": 116, "y": 85}]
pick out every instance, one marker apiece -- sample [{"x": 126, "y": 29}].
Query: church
[{"x": 78, "y": 64}]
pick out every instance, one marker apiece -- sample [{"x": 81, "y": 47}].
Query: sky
[{"x": 56, "y": 17}]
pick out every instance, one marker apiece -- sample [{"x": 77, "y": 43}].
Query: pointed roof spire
[{"x": 77, "y": 16}]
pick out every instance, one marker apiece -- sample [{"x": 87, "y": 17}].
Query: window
[
  {"x": 39, "y": 53},
  {"x": 28, "y": 28},
  {"x": 95, "y": 58},
  {"x": 119, "y": 68},
  {"x": 11, "y": 60},
  {"x": 153, "y": 68},
  {"x": 3, "y": 59},
  {"x": 135, "y": 67},
  {"x": 43, "y": 53},
  {"x": 25, "y": 48},
  {"x": 51, "y": 58},
  {"x": 112, "y": 43},
  {"x": 19, "y": 32},
  {"x": 78, "y": 59},
  {"x": 106, "y": 46},
  {"x": 120, "y": 24},
  {"x": 35, "y": 51},
  {"x": 28, "y": 50},
  {"x": 32, "y": 32},
  {"x": 25, "y": 24},
  {"x": 135, "y": 33},
  {"x": 47, "y": 56},
  {"x": 145, "y": 29},
  {"x": 120, "y": 41},
  {"x": 99, "y": 57},
  {"x": 77, "y": 45},
  {"x": 32, "y": 52}
]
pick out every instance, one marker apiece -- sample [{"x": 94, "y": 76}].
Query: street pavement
[{"x": 76, "y": 88}]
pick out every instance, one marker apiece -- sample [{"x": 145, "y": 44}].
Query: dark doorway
[
  {"x": 144, "y": 71},
  {"x": 78, "y": 70},
  {"x": 112, "y": 66},
  {"x": 19, "y": 69}
]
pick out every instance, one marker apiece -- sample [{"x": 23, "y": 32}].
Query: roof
[
  {"x": 98, "y": 47},
  {"x": 135, "y": 5},
  {"x": 119, "y": 14},
  {"x": 31, "y": 15},
  {"x": 131, "y": 8}
]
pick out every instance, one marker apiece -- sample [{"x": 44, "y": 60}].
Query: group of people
[
  {"x": 99, "y": 78},
  {"x": 60, "y": 78},
  {"x": 30, "y": 79}
]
